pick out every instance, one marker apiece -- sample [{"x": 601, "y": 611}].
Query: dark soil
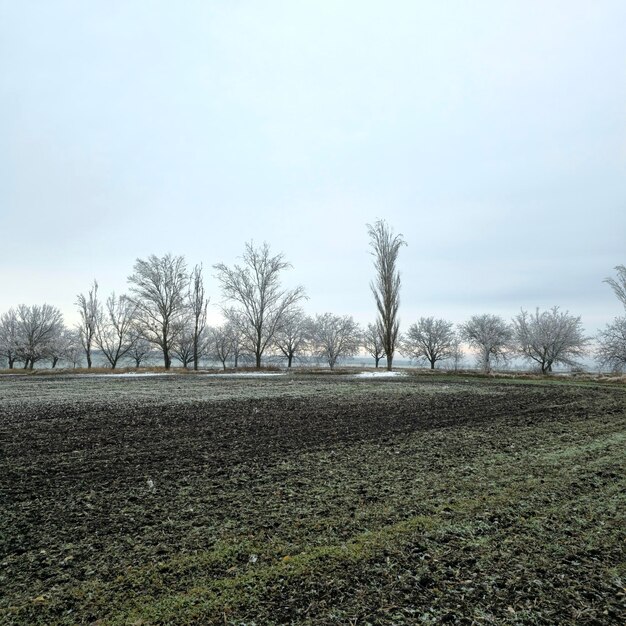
[{"x": 310, "y": 500}]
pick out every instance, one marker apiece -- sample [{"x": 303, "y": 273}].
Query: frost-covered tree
[
  {"x": 549, "y": 337},
  {"x": 619, "y": 284},
  {"x": 611, "y": 349},
  {"x": 39, "y": 327},
  {"x": 62, "y": 346},
  {"x": 373, "y": 343},
  {"x": 457, "y": 354},
  {"x": 292, "y": 335},
  {"x": 334, "y": 337},
  {"x": 187, "y": 344},
  {"x": 260, "y": 301},
  {"x": 73, "y": 352},
  {"x": 222, "y": 343},
  {"x": 158, "y": 287},
  {"x": 140, "y": 350},
  {"x": 89, "y": 310},
  {"x": 115, "y": 330},
  {"x": 430, "y": 339},
  {"x": 386, "y": 286},
  {"x": 9, "y": 337},
  {"x": 490, "y": 335}
]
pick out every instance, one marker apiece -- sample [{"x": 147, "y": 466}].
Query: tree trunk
[
  {"x": 88, "y": 352},
  {"x": 389, "y": 362},
  {"x": 377, "y": 359},
  {"x": 258, "y": 360},
  {"x": 432, "y": 364},
  {"x": 289, "y": 358},
  {"x": 55, "y": 360}
]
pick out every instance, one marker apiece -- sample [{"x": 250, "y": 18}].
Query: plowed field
[{"x": 311, "y": 500}]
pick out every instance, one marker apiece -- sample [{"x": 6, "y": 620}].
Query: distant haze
[{"x": 491, "y": 134}]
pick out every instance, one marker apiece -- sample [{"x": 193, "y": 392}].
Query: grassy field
[{"x": 311, "y": 500}]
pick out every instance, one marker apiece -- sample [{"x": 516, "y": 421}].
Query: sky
[{"x": 492, "y": 135}]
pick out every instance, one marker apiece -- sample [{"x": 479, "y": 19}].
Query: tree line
[{"x": 166, "y": 308}]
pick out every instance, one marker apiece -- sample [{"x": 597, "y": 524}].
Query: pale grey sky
[{"x": 491, "y": 134}]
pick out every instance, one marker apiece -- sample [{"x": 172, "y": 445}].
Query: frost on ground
[
  {"x": 126, "y": 375},
  {"x": 384, "y": 374},
  {"x": 247, "y": 374}
]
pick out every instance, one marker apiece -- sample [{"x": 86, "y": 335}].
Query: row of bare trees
[{"x": 165, "y": 309}]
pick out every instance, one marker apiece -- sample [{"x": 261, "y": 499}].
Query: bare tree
[
  {"x": 187, "y": 345},
  {"x": 334, "y": 337},
  {"x": 38, "y": 329},
  {"x": 62, "y": 345},
  {"x": 222, "y": 342},
  {"x": 457, "y": 353},
  {"x": 386, "y": 286},
  {"x": 158, "y": 287},
  {"x": 611, "y": 350},
  {"x": 292, "y": 334},
  {"x": 114, "y": 332},
  {"x": 9, "y": 337},
  {"x": 262, "y": 302},
  {"x": 619, "y": 284},
  {"x": 490, "y": 335},
  {"x": 198, "y": 304},
  {"x": 549, "y": 337},
  {"x": 140, "y": 349},
  {"x": 73, "y": 349},
  {"x": 89, "y": 310},
  {"x": 373, "y": 343},
  {"x": 431, "y": 339}
]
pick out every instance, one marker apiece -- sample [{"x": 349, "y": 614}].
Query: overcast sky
[{"x": 491, "y": 134}]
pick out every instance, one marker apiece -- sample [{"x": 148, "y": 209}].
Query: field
[{"x": 311, "y": 500}]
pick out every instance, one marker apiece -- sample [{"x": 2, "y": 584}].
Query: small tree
[
  {"x": 89, "y": 310},
  {"x": 158, "y": 287},
  {"x": 9, "y": 337},
  {"x": 373, "y": 343},
  {"x": 431, "y": 339},
  {"x": 457, "y": 353},
  {"x": 115, "y": 331},
  {"x": 261, "y": 302},
  {"x": 222, "y": 343},
  {"x": 386, "y": 286},
  {"x": 292, "y": 335},
  {"x": 62, "y": 346},
  {"x": 187, "y": 346},
  {"x": 140, "y": 350},
  {"x": 549, "y": 338},
  {"x": 490, "y": 335},
  {"x": 611, "y": 350},
  {"x": 334, "y": 337}
]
